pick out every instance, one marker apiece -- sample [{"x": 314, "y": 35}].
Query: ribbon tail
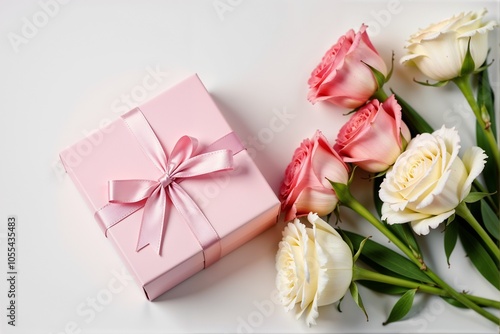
[
  {"x": 198, "y": 223},
  {"x": 113, "y": 213},
  {"x": 153, "y": 220}
]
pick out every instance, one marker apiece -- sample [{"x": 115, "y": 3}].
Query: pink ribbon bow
[{"x": 182, "y": 163}]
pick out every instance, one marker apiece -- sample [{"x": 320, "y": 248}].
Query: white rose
[
  {"x": 429, "y": 180},
  {"x": 314, "y": 267},
  {"x": 439, "y": 50}
]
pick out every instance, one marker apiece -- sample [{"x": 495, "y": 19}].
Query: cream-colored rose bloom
[
  {"x": 429, "y": 180},
  {"x": 314, "y": 267},
  {"x": 439, "y": 50}
]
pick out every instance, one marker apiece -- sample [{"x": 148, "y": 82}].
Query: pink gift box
[{"x": 238, "y": 203}]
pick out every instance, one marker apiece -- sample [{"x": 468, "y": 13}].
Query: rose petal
[
  {"x": 319, "y": 199},
  {"x": 320, "y": 224},
  {"x": 401, "y": 216},
  {"x": 335, "y": 260},
  {"x": 474, "y": 160},
  {"x": 440, "y": 60},
  {"x": 446, "y": 195},
  {"x": 326, "y": 163},
  {"x": 311, "y": 313},
  {"x": 451, "y": 139},
  {"x": 330, "y": 252},
  {"x": 423, "y": 226}
]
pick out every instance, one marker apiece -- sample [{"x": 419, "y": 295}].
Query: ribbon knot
[
  {"x": 165, "y": 180},
  {"x": 156, "y": 196}
]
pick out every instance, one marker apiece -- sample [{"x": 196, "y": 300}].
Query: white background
[{"x": 70, "y": 72}]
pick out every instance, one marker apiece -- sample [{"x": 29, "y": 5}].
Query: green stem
[
  {"x": 463, "y": 83},
  {"x": 380, "y": 95},
  {"x": 366, "y": 214},
  {"x": 362, "y": 274},
  {"x": 463, "y": 211},
  {"x": 483, "y": 301},
  {"x": 346, "y": 198},
  {"x": 461, "y": 298}
]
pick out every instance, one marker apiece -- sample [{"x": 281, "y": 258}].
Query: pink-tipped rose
[
  {"x": 305, "y": 187},
  {"x": 342, "y": 78},
  {"x": 371, "y": 138}
]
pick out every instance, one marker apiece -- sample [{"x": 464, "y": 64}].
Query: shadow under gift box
[{"x": 238, "y": 203}]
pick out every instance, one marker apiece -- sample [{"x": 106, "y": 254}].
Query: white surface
[{"x": 70, "y": 75}]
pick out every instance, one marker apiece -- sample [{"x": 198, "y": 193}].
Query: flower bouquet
[{"x": 421, "y": 179}]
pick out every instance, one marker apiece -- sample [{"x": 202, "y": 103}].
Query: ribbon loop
[
  {"x": 127, "y": 196},
  {"x": 130, "y": 191},
  {"x": 183, "y": 150}
]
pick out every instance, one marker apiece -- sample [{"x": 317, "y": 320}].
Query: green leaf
[
  {"x": 336, "y": 212},
  {"x": 468, "y": 65},
  {"x": 486, "y": 96},
  {"x": 340, "y": 302},
  {"x": 342, "y": 190},
  {"x": 412, "y": 118},
  {"x": 450, "y": 240},
  {"x": 478, "y": 254},
  {"x": 351, "y": 178},
  {"x": 360, "y": 249},
  {"x": 379, "y": 76},
  {"x": 485, "y": 116},
  {"x": 405, "y": 233},
  {"x": 402, "y": 307},
  {"x": 453, "y": 302},
  {"x": 404, "y": 142},
  {"x": 485, "y": 65},
  {"x": 346, "y": 239},
  {"x": 450, "y": 219},
  {"x": 377, "y": 181},
  {"x": 485, "y": 100},
  {"x": 389, "y": 75},
  {"x": 490, "y": 220},
  {"x": 328, "y": 216},
  {"x": 490, "y": 168},
  {"x": 475, "y": 196},
  {"x": 383, "y": 287},
  {"x": 388, "y": 259},
  {"x": 351, "y": 112},
  {"x": 353, "y": 288}
]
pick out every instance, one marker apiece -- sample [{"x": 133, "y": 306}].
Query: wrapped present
[{"x": 172, "y": 187}]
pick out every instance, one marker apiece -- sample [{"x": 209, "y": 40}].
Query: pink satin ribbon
[{"x": 128, "y": 196}]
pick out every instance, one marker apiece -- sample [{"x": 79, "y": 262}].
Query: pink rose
[
  {"x": 371, "y": 138},
  {"x": 341, "y": 78},
  {"x": 305, "y": 187}
]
